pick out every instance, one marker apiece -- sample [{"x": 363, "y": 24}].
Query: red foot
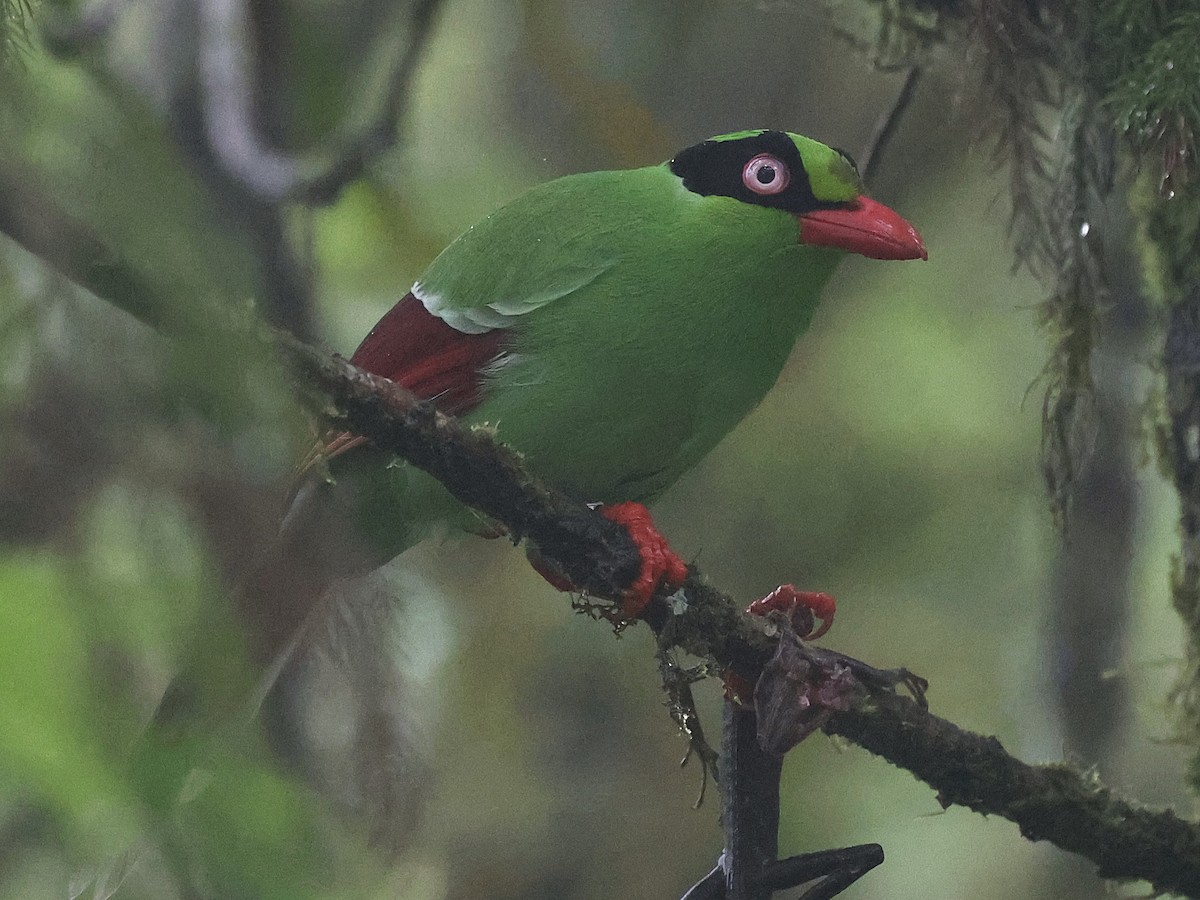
[
  {"x": 786, "y": 599},
  {"x": 659, "y": 562}
]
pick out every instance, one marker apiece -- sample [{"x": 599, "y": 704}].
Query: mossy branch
[{"x": 1058, "y": 803}]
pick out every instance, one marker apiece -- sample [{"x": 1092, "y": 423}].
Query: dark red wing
[{"x": 416, "y": 349}]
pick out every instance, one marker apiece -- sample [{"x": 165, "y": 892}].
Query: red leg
[
  {"x": 786, "y": 599},
  {"x": 659, "y": 561}
]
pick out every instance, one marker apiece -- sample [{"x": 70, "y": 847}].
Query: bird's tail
[
  {"x": 335, "y": 708},
  {"x": 332, "y": 699},
  {"x": 322, "y": 638}
]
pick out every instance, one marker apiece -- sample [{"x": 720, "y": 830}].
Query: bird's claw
[
  {"x": 803, "y": 609},
  {"x": 660, "y": 564}
]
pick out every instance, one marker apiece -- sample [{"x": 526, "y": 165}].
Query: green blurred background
[{"x": 895, "y": 466}]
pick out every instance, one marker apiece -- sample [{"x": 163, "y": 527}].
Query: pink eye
[{"x": 765, "y": 174}]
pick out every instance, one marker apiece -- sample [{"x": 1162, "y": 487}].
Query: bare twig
[
  {"x": 227, "y": 97},
  {"x": 221, "y": 125},
  {"x": 235, "y": 136},
  {"x": 380, "y": 134},
  {"x": 886, "y": 127},
  {"x": 32, "y": 219},
  {"x": 750, "y": 811}
]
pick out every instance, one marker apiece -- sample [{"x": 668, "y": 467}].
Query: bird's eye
[{"x": 765, "y": 174}]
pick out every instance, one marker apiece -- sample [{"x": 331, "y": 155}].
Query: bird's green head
[{"x": 819, "y": 185}]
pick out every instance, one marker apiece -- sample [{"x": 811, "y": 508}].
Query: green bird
[{"x": 611, "y": 326}]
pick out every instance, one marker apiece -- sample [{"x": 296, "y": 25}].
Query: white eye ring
[{"x": 766, "y": 174}]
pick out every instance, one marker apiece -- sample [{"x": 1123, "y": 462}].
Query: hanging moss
[
  {"x": 1069, "y": 89},
  {"x": 1155, "y": 98},
  {"x": 1168, "y": 233},
  {"x": 13, "y": 17},
  {"x": 1148, "y": 67}
]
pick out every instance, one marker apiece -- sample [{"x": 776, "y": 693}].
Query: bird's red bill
[{"x": 864, "y": 227}]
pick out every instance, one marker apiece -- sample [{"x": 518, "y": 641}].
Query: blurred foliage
[
  {"x": 1095, "y": 107},
  {"x": 894, "y": 465}
]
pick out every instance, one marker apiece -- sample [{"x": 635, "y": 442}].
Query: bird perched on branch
[{"x": 611, "y": 326}]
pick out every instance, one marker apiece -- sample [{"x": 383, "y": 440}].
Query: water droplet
[
  {"x": 1084, "y": 229},
  {"x": 1170, "y": 65}
]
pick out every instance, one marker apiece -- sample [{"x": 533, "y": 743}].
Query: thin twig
[
  {"x": 221, "y": 125},
  {"x": 380, "y": 134},
  {"x": 887, "y": 126},
  {"x": 749, "y": 869}
]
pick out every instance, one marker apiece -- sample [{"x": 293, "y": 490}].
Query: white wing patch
[
  {"x": 471, "y": 320},
  {"x": 503, "y": 313}
]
